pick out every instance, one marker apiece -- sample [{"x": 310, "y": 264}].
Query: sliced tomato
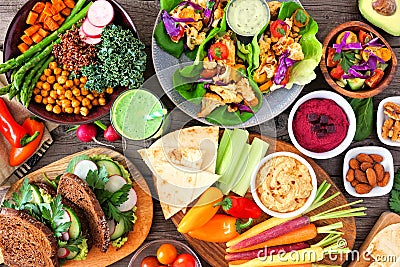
[
  {"x": 337, "y": 73},
  {"x": 364, "y": 37},
  {"x": 329, "y": 61},
  {"x": 206, "y": 73},
  {"x": 278, "y": 28},
  {"x": 375, "y": 79},
  {"x": 219, "y": 51},
  {"x": 180, "y": 34}
]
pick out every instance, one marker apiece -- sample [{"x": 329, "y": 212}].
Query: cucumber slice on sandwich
[
  {"x": 75, "y": 229},
  {"x": 111, "y": 167}
]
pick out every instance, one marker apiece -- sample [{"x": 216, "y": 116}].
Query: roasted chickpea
[
  {"x": 57, "y": 86},
  {"x": 76, "y": 92},
  {"x": 51, "y": 100},
  {"x": 75, "y": 103},
  {"x": 84, "y": 111},
  {"x": 39, "y": 84},
  {"x": 43, "y": 78},
  {"x": 53, "y": 94},
  {"x": 36, "y": 91},
  {"x": 69, "y": 83},
  {"x": 109, "y": 90},
  {"x": 84, "y": 91},
  {"x": 90, "y": 97},
  {"x": 60, "y": 91},
  {"x": 53, "y": 65},
  {"x": 38, "y": 98},
  {"x": 69, "y": 110},
  {"x": 49, "y": 107},
  {"x": 68, "y": 94},
  {"x": 44, "y": 93},
  {"x": 102, "y": 101},
  {"x": 62, "y": 79},
  {"x": 85, "y": 102},
  {"x": 58, "y": 102},
  {"x": 57, "y": 71},
  {"x": 65, "y": 103},
  {"x": 83, "y": 79},
  {"x": 46, "y": 86},
  {"x": 57, "y": 109},
  {"x": 82, "y": 86},
  {"x": 95, "y": 94},
  {"x": 90, "y": 106},
  {"x": 51, "y": 79},
  {"x": 95, "y": 102},
  {"x": 44, "y": 100},
  {"x": 77, "y": 110},
  {"x": 77, "y": 81},
  {"x": 65, "y": 67},
  {"x": 47, "y": 72},
  {"x": 65, "y": 73},
  {"x": 61, "y": 97},
  {"x": 80, "y": 98}
]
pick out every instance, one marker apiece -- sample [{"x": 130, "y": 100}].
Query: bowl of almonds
[{"x": 368, "y": 171}]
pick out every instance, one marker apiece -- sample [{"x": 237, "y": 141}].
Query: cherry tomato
[
  {"x": 374, "y": 80},
  {"x": 337, "y": 73},
  {"x": 278, "y": 28},
  {"x": 150, "y": 261},
  {"x": 184, "y": 260},
  {"x": 329, "y": 61},
  {"x": 166, "y": 254},
  {"x": 364, "y": 37},
  {"x": 219, "y": 51},
  {"x": 180, "y": 34}
]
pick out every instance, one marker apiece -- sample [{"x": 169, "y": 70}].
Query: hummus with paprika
[
  {"x": 320, "y": 125},
  {"x": 284, "y": 184}
]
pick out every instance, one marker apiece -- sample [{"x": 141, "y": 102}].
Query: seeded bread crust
[
  {"x": 24, "y": 241},
  {"x": 77, "y": 191}
]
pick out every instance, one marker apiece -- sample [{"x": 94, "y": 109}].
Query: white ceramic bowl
[
  {"x": 322, "y": 94},
  {"x": 387, "y": 164},
  {"x": 380, "y": 119},
  {"x": 310, "y": 199}
]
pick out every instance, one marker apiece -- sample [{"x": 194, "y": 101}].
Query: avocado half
[{"x": 390, "y": 24}]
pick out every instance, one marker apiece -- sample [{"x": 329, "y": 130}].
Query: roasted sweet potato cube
[
  {"x": 26, "y": 39},
  {"x": 37, "y": 38},
  {"x": 38, "y": 7},
  {"x": 58, "y": 5},
  {"x": 49, "y": 10},
  {"x": 51, "y": 24},
  {"x": 69, "y": 3},
  {"x": 23, "y": 47},
  {"x": 66, "y": 11},
  {"x": 32, "y": 30},
  {"x": 31, "y": 18},
  {"x": 61, "y": 21},
  {"x": 45, "y": 27},
  {"x": 42, "y": 32},
  {"x": 42, "y": 17},
  {"x": 57, "y": 17}
]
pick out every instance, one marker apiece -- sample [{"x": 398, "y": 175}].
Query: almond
[
  {"x": 350, "y": 175},
  {"x": 362, "y": 157},
  {"x": 380, "y": 171},
  {"x": 354, "y": 164},
  {"x": 371, "y": 177},
  {"x": 360, "y": 176},
  {"x": 376, "y": 158},
  {"x": 365, "y": 165},
  {"x": 363, "y": 188},
  {"x": 385, "y": 180},
  {"x": 354, "y": 183}
]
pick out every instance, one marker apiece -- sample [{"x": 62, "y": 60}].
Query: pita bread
[
  {"x": 385, "y": 247},
  {"x": 183, "y": 163}
]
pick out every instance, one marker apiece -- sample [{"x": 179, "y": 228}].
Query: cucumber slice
[
  {"x": 119, "y": 230},
  {"x": 75, "y": 228},
  {"x": 111, "y": 167},
  {"x": 36, "y": 196}
]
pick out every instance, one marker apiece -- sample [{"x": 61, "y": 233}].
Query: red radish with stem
[
  {"x": 87, "y": 133},
  {"x": 109, "y": 132},
  {"x": 63, "y": 253},
  {"x": 249, "y": 255}
]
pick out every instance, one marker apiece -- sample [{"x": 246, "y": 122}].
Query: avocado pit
[{"x": 384, "y": 7}]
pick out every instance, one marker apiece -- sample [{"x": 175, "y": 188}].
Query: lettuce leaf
[
  {"x": 168, "y": 5},
  {"x": 165, "y": 42}
]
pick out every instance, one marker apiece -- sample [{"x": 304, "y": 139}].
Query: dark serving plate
[{"x": 14, "y": 32}]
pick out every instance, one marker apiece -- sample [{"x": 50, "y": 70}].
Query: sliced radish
[
  {"x": 92, "y": 41},
  {"x": 111, "y": 223},
  {"x": 63, "y": 253},
  {"x": 130, "y": 203},
  {"x": 90, "y": 30},
  {"x": 65, "y": 219},
  {"x": 100, "y": 13},
  {"x": 83, "y": 167},
  {"x": 65, "y": 236},
  {"x": 114, "y": 183}
]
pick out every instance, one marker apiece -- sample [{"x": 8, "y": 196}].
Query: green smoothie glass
[{"x": 138, "y": 115}]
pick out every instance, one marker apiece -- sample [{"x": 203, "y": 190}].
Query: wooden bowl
[
  {"x": 330, "y": 40},
  {"x": 15, "y": 31}
]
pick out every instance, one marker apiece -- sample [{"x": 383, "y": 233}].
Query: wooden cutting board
[
  {"x": 214, "y": 253},
  {"x": 387, "y": 218},
  {"x": 144, "y": 205}
]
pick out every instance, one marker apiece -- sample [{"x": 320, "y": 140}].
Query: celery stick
[
  {"x": 233, "y": 151},
  {"x": 236, "y": 171},
  {"x": 223, "y": 145},
  {"x": 257, "y": 152}
]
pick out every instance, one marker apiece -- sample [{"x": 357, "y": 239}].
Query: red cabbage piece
[
  {"x": 340, "y": 46},
  {"x": 172, "y": 28},
  {"x": 206, "y": 86},
  {"x": 209, "y": 12},
  {"x": 284, "y": 64},
  {"x": 204, "y": 80},
  {"x": 374, "y": 42},
  {"x": 189, "y": 3},
  {"x": 242, "y": 108},
  {"x": 354, "y": 74}
]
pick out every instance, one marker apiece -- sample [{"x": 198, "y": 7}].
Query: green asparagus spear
[
  {"x": 13, "y": 92},
  {"x": 18, "y": 77},
  {"x": 32, "y": 79},
  {"x": 18, "y": 61},
  {"x": 5, "y": 89},
  {"x": 78, "y": 6}
]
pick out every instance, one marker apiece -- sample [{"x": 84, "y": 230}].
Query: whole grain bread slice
[
  {"x": 24, "y": 241},
  {"x": 77, "y": 191}
]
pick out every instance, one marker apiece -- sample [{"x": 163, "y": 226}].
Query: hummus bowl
[
  {"x": 283, "y": 184},
  {"x": 322, "y": 124}
]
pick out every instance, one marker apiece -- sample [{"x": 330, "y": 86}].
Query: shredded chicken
[
  {"x": 209, "y": 102},
  {"x": 244, "y": 88},
  {"x": 228, "y": 93},
  {"x": 274, "y": 7},
  {"x": 296, "y": 52},
  {"x": 194, "y": 37},
  {"x": 209, "y": 65}
]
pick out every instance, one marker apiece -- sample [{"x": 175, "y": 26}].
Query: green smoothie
[{"x": 129, "y": 112}]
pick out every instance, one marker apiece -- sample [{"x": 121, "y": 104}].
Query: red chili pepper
[
  {"x": 19, "y": 155},
  {"x": 15, "y": 134},
  {"x": 240, "y": 207}
]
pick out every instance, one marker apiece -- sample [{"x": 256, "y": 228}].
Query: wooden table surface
[{"x": 327, "y": 13}]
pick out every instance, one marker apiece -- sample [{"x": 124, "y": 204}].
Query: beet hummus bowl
[{"x": 322, "y": 124}]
